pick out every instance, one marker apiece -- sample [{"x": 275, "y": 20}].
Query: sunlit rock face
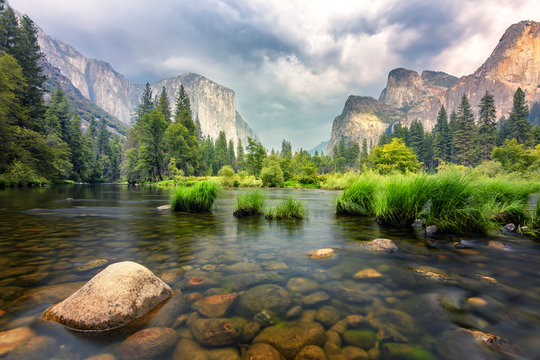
[
  {"x": 410, "y": 96},
  {"x": 213, "y": 104}
]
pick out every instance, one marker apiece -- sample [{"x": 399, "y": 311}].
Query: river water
[{"x": 434, "y": 301}]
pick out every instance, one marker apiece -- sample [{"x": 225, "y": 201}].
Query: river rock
[
  {"x": 49, "y": 294},
  {"x": 497, "y": 245},
  {"x": 399, "y": 320},
  {"x": 91, "y": 265},
  {"x": 510, "y": 227},
  {"x": 151, "y": 343},
  {"x": 261, "y": 297},
  {"x": 321, "y": 253},
  {"x": 216, "y": 305},
  {"x": 36, "y": 347},
  {"x": 327, "y": 316},
  {"x": 291, "y": 337},
  {"x": 11, "y": 338},
  {"x": 405, "y": 352},
  {"x": 294, "y": 312},
  {"x": 172, "y": 277},
  {"x": 311, "y": 352},
  {"x": 349, "y": 291},
  {"x": 315, "y": 298},
  {"x": 302, "y": 285},
  {"x": 431, "y": 230},
  {"x": 263, "y": 351},
  {"x": 242, "y": 267},
  {"x": 360, "y": 338},
  {"x": 367, "y": 274},
  {"x": 355, "y": 353},
  {"x": 382, "y": 245},
  {"x": 216, "y": 332},
  {"x": 188, "y": 349},
  {"x": 164, "y": 208},
  {"x": 242, "y": 281},
  {"x": 195, "y": 282},
  {"x": 117, "y": 295},
  {"x": 102, "y": 357}
]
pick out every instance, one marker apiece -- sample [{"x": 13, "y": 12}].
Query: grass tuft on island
[
  {"x": 197, "y": 198},
  {"x": 359, "y": 198},
  {"x": 249, "y": 204},
  {"x": 288, "y": 209}
]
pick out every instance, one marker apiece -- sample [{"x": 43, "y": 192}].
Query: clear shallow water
[{"x": 47, "y": 234}]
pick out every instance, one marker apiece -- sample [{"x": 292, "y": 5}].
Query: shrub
[
  {"x": 307, "y": 179},
  {"x": 359, "y": 198},
  {"x": 402, "y": 199},
  {"x": 199, "y": 197},
  {"x": 249, "y": 204},
  {"x": 271, "y": 175},
  {"x": 395, "y": 156},
  {"x": 227, "y": 176},
  {"x": 288, "y": 209},
  {"x": 338, "y": 181}
]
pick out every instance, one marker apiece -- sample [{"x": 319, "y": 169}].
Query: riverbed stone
[
  {"x": 49, "y": 294},
  {"x": 117, "y": 295},
  {"x": 274, "y": 265},
  {"x": 294, "y": 312},
  {"x": 311, "y": 352},
  {"x": 195, "y": 282},
  {"x": 11, "y": 338},
  {"x": 151, "y": 343},
  {"x": 269, "y": 296},
  {"x": 239, "y": 282},
  {"x": 360, "y": 338},
  {"x": 367, "y": 274},
  {"x": 91, "y": 265},
  {"x": 289, "y": 338},
  {"x": 405, "y": 352},
  {"x": 327, "y": 316},
  {"x": 355, "y": 353},
  {"x": 315, "y": 298},
  {"x": 164, "y": 208},
  {"x": 431, "y": 230},
  {"x": 36, "y": 347},
  {"x": 382, "y": 245},
  {"x": 171, "y": 277},
  {"x": 102, "y": 357},
  {"x": 242, "y": 267},
  {"x": 322, "y": 253},
  {"x": 190, "y": 349},
  {"x": 350, "y": 291},
  {"x": 216, "y": 332},
  {"x": 302, "y": 285},
  {"x": 399, "y": 320},
  {"x": 262, "y": 351},
  {"x": 216, "y": 305}
]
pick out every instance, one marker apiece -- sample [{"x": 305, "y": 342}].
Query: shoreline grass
[
  {"x": 249, "y": 204},
  {"x": 288, "y": 209},
  {"x": 359, "y": 198},
  {"x": 197, "y": 198}
]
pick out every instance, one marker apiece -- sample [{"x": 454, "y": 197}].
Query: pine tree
[
  {"x": 164, "y": 106},
  {"x": 147, "y": 103},
  {"x": 520, "y": 127},
  {"x": 464, "y": 135},
  {"x": 364, "y": 155},
  {"x": 182, "y": 102},
  {"x": 232, "y": 155},
  {"x": 8, "y": 30},
  {"x": 452, "y": 127},
  {"x": 240, "y": 161},
  {"x": 221, "y": 150},
  {"x": 80, "y": 153},
  {"x": 57, "y": 116},
  {"x": 200, "y": 135},
  {"x": 442, "y": 142},
  {"x": 182, "y": 116},
  {"x": 416, "y": 138},
  {"x": 487, "y": 129}
]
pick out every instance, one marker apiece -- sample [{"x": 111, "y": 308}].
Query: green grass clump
[
  {"x": 359, "y": 198},
  {"x": 402, "y": 200},
  {"x": 290, "y": 208},
  {"x": 339, "y": 181},
  {"x": 249, "y": 204},
  {"x": 199, "y": 197}
]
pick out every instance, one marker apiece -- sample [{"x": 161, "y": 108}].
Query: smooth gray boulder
[{"x": 120, "y": 293}]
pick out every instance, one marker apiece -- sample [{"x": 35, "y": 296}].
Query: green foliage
[
  {"x": 395, "y": 156},
  {"x": 518, "y": 121},
  {"x": 359, "y": 198},
  {"x": 514, "y": 156},
  {"x": 402, "y": 199},
  {"x": 289, "y": 209},
  {"x": 464, "y": 134},
  {"x": 256, "y": 153},
  {"x": 197, "y": 198},
  {"x": 487, "y": 129},
  {"x": 164, "y": 106},
  {"x": 271, "y": 174},
  {"x": 249, "y": 204},
  {"x": 227, "y": 176}
]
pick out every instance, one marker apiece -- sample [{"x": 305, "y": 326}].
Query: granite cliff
[
  {"x": 96, "y": 80},
  {"x": 515, "y": 62}
]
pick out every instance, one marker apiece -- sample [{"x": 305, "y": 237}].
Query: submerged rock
[
  {"x": 151, "y": 343},
  {"x": 355, "y": 353},
  {"x": 367, "y": 274},
  {"x": 11, "y": 338},
  {"x": 164, "y": 208},
  {"x": 291, "y": 337},
  {"x": 190, "y": 349},
  {"x": 36, "y": 347},
  {"x": 364, "y": 339},
  {"x": 302, "y": 285},
  {"x": 311, "y": 352},
  {"x": 382, "y": 245},
  {"x": 215, "y": 306},
  {"x": 405, "y": 352},
  {"x": 91, "y": 265},
  {"x": 263, "y": 351},
  {"x": 510, "y": 227},
  {"x": 261, "y": 297},
  {"x": 216, "y": 332},
  {"x": 315, "y": 298},
  {"x": 117, "y": 295},
  {"x": 321, "y": 253}
]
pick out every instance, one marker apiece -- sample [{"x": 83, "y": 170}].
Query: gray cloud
[{"x": 292, "y": 64}]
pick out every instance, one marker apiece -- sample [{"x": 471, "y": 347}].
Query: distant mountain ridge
[
  {"x": 515, "y": 62},
  {"x": 99, "y": 82}
]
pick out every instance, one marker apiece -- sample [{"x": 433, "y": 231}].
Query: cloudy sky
[{"x": 292, "y": 63}]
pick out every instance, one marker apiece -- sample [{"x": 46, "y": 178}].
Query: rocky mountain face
[
  {"x": 363, "y": 117},
  {"x": 96, "y": 80},
  {"x": 514, "y": 63}
]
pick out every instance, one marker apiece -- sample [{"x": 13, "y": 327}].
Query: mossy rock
[
  {"x": 397, "y": 351},
  {"x": 361, "y": 338}
]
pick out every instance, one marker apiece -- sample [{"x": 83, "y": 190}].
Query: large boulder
[
  {"x": 292, "y": 337},
  {"x": 117, "y": 295}
]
